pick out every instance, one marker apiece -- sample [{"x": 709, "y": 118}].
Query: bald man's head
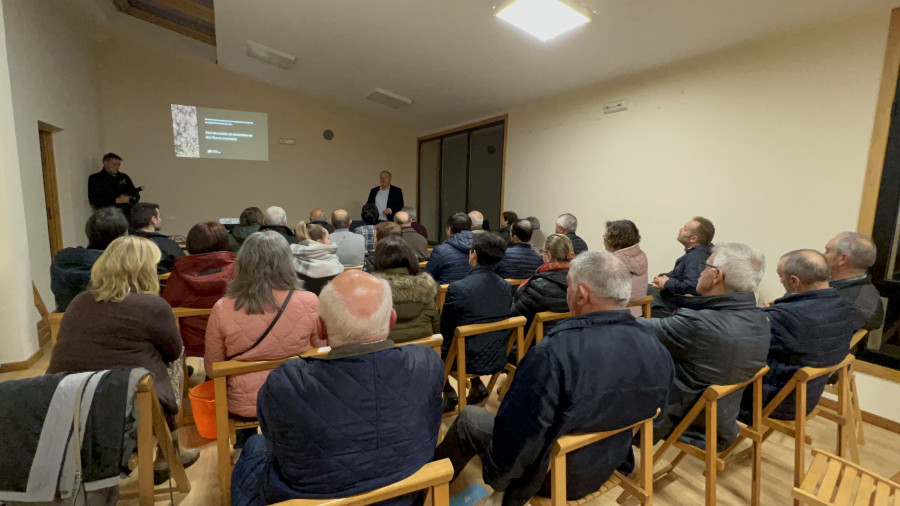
[
  {"x": 356, "y": 307},
  {"x": 477, "y": 219},
  {"x": 317, "y": 215},
  {"x": 803, "y": 270},
  {"x": 340, "y": 219},
  {"x": 402, "y": 218}
]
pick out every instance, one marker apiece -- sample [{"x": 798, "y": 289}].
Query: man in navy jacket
[
  {"x": 520, "y": 261},
  {"x": 598, "y": 370},
  {"x": 696, "y": 236},
  {"x": 449, "y": 261},
  {"x": 365, "y": 416},
  {"x": 811, "y": 327}
]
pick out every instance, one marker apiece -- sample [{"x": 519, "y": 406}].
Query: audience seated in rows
[
  {"x": 276, "y": 220},
  {"x": 546, "y": 290},
  {"x": 249, "y": 222},
  {"x": 365, "y": 416},
  {"x": 481, "y": 297},
  {"x": 383, "y": 230},
  {"x": 351, "y": 248},
  {"x": 146, "y": 222},
  {"x": 414, "y": 221},
  {"x": 449, "y": 261},
  {"x": 477, "y": 218},
  {"x": 370, "y": 218},
  {"x": 317, "y": 217},
  {"x": 416, "y": 241},
  {"x": 70, "y": 271},
  {"x": 537, "y": 236},
  {"x": 567, "y": 224},
  {"x": 850, "y": 255},
  {"x": 717, "y": 338},
  {"x": 811, "y": 327},
  {"x": 696, "y": 236},
  {"x": 413, "y": 291},
  {"x": 520, "y": 261},
  {"x": 265, "y": 315},
  {"x": 581, "y": 378},
  {"x": 623, "y": 239},
  {"x": 199, "y": 280},
  {"x": 506, "y": 221},
  {"x": 315, "y": 258}
]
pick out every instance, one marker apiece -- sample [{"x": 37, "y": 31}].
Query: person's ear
[
  {"x": 393, "y": 318},
  {"x": 570, "y": 256},
  {"x": 323, "y": 331},
  {"x": 795, "y": 283},
  {"x": 582, "y": 295}
]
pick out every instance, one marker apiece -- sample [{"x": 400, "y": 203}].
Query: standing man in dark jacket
[
  {"x": 696, "y": 236},
  {"x": 387, "y": 197},
  {"x": 520, "y": 261},
  {"x": 849, "y": 256},
  {"x": 597, "y": 371},
  {"x": 449, "y": 261},
  {"x": 365, "y": 416},
  {"x": 566, "y": 224},
  {"x": 109, "y": 187},
  {"x": 719, "y": 338},
  {"x": 146, "y": 222},
  {"x": 811, "y": 327},
  {"x": 70, "y": 271},
  {"x": 481, "y": 297}
]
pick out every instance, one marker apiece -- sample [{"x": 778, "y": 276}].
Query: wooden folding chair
[
  {"x": 833, "y": 481},
  {"x": 640, "y": 485},
  {"x": 54, "y": 319},
  {"x": 153, "y": 431},
  {"x": 353, "y": 268},
  {"x": 433, "y": 477},
  {"x": 796, "y": 428},
  {"x": 709, "y": 403},
  {"x": 422, "y": 265},
  {"x": 644, "y": 304},
  {"x": 534, "y": 336},
  {"x": 516, "y": 281},
  {"x": 227, "y": 426},
  {"x": 855, "y": 409},
  {"x": 441, "y": 296},
  {"x": 186, "y": 312},
  {"x": 457, "y": 353}
]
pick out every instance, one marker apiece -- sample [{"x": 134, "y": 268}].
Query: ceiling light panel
[{"x": 544, "y": 19}]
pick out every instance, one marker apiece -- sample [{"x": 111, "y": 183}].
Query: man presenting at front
[
  {"x": 387, "y": 197},
  {"x": 596, "y": 371},
  {"x": 109, "y": 187}
]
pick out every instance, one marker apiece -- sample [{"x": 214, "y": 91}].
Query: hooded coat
[
  {"x": 316, "y": 264},
  {"x": 636, "y": 260},
  {"x": 238, "y": 235},
  {"x": 70, "y": 273},
  {"x": 449, "y": 261},
  {"x": 413, "y": 297}
]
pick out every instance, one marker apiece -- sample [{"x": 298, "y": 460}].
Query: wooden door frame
[{"x": 51, "y": 188}]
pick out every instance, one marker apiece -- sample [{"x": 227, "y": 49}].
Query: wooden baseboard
[
  {"x": 870, "y": 418},
  {"x": 23, "y": 365},
  {"x": 879, "y": 371}
]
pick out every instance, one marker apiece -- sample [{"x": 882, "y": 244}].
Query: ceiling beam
[{"x": 191, "y": 8}]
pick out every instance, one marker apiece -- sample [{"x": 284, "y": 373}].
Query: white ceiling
[{"x": 458, "y": 62}]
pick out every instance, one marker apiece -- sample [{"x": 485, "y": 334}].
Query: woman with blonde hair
[{"x": 546, "y": 290}]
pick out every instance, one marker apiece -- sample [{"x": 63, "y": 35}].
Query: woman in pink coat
[
  {"x": 622, "y": 239},
  {"x": 241, "y": 324}
]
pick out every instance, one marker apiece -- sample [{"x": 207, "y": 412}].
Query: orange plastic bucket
[{"x": 203, "y": 405}]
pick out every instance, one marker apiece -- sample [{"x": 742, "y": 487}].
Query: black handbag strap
[{"x": 268, "y": 329}]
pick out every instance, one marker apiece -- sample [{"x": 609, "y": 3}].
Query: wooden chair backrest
[
  {"x": 857, "y": 337},
  {"x": 153, "y": 430},
  {"x": 641, "y": 486},
  {"x": 434, "y": 476},
  {"x": 422, "y": 264},
  {"x": 516, "y": 281},
  {"x": 798, "y": 383},
  {"x": 645, "y": 305},
  {"x": 54, "y": 319},
  {"x": 537, "y": 326},
  {"x": 165, "y": 277},
  {"x": 441, "y": 296}
]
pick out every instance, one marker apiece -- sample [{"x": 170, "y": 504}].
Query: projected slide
[{"x": 203, "y": 132}]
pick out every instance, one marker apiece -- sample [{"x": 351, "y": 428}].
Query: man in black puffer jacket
[
  {"x": 520, "y": 261},
  {"x": 481, "y": 297},
  {"x": 719, "y": 338},
  {"x": 449, "y": 261},
  {"x": 849, "y": 256}
]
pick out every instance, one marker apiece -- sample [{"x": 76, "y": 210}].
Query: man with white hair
[
  {"x": 372, "y": 409},
  {"x": 849, "y": 256},
  {"x": 566, "y": 224},
  {"x": 477, "y": 221},
  {"x": 717, "y": 338},
  {"x": 276, "y": 219},
  {"x": 580, "y": 378}
]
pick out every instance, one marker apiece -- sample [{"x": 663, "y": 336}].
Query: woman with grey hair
[{"x": 265, "y": 315}]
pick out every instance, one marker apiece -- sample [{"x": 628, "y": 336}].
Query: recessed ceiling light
[
  {"x": 270, "y": 55},
  {"x": 392, "y": 100},
  {"x": 544, "y": 19}
]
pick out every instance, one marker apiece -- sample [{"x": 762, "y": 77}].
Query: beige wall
[
  {"x": 136, "y": 121},
  {"x": 53, "y": 79},
  {"x": 18, "y": 337},
  {"x": 768, "y": 140}
]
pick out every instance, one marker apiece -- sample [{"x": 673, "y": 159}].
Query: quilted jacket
[
  {"x": 519, "y": 262},
  {"x": 449, "y": 261},
  {"x": 860, "y": 293},
  {"x": 578, "y": 244},
  {"x": 594, "y": 372},
  {"x": 365, "y": 416},
  {"x": 70, "y": 273},
  {"x": 198, "y": 281},
  {"x": 811, "y": 329},
  {"x": 230, "y": 332},
  {"x": 683, "y": 277},
  {"x": 482, "y": 297},
  {"x": 636, "y": 260},
  {"x": 715, "y": 340},
  {"x": 413, "y": 297},
  {"x": 545, "y": 291}
]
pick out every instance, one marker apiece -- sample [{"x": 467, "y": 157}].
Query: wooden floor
[{"x": 685, "y": 486}]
